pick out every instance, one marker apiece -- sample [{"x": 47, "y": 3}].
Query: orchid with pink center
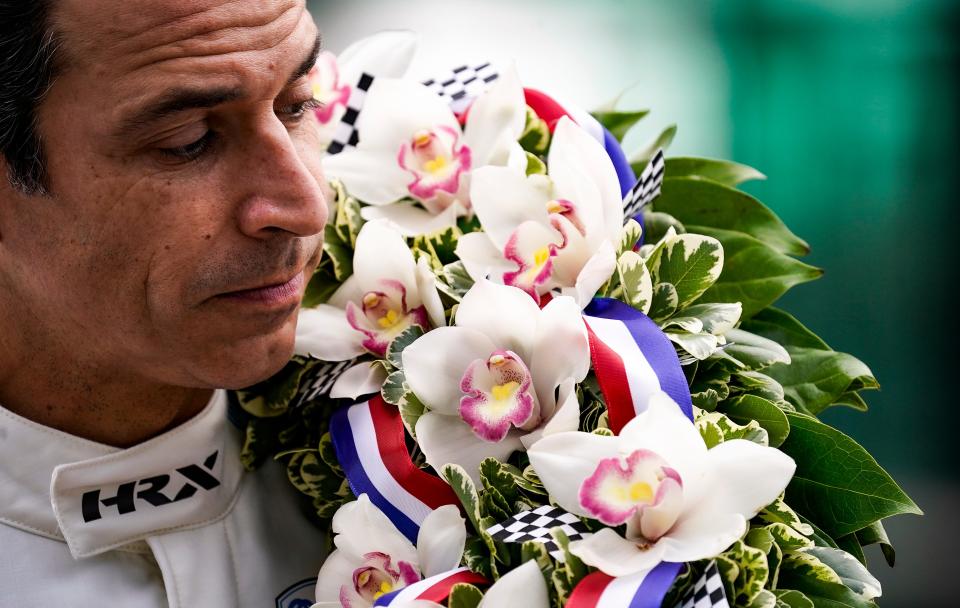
[
  {"x": 499, "y": 379},
  {"x": 546, "y": 233},
  {"x": 680, "y": 501},
  {"x": 387, "y": 293},
  {"x": 372, "y": 557},
  {"x": 413, "y": 161}
]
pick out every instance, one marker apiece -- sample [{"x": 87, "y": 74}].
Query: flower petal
[
  {"x": 349, "y": 291},
  {"x": 435, "y": 363},
  {"x": 503, "y": 199},
  {"x": 427, "y": 286},
  {"x": 371, "y": 176},
  {"x": 361, "y": 528},
  {"x": 566, "y": 416},
  {"x": 361, "y": 379},
  {"x": 337, "y": 571},
  {"x": 323, "y": 332},
  {"x": 440, "y": 543},
  {"x": 615, "y": 555},
  {"x": 563, "y": 461},
  {"x": 411, "y": 220},
  {"x": 448, "y": 439},
  {"x": 747, "y": 477},
  {"x": 598, "y": 269},
  {"x": 394, "y": 110},
  {"x": 560, "y": 350},
  {"x": 663, "y": 429},
  {"x": 386, "y": 54},
  {"x": 481, "y": 259},
  {"x": 523, "y": 587},
  {"x": 506, "y": 315},
  {"x": 573, "y": 155},
  {"x": 382, "y": 253},
  {"x": 496, "y": 120}
]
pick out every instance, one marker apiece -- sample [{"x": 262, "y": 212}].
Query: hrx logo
[{"x": 150, "y": 490}]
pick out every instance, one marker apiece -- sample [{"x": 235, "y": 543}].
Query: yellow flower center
[
  {"x": 388, "y": 320},
  {"x": 540, "y": 256},
  {"x": 385, "y": 588},
  {"x": 317, "y": 91},
  {"x": 554, "y": 206},
  {"x": 436, "y": 165},
  {"x": 497, "y": 360},
  {"x": 371, "y": 299},
  {"x": 502, "y": 392}
]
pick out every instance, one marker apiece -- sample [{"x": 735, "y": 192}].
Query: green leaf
[
  {"x": 807, "y": 574},
  {"x": 466, "y": 491},
  {"x": 535, "y": 166},
  {"x": 635, "y": 280},
  {"x": 272, "y": 396},
  {"x": 394, "y": 388},
  {"x": 715, "y": 428},
  {"x": 715, "y": 318},
  {"x": 697, "y": 202},
  {"x": 439, "y": 245},
  {"x": 321, "y": 286},
  {"x": 815, "y": 379},
  {"x": 761, "y": 385},
  {"x": 641, "y": 157},
  {"x": 411, "y": 409},
  {"x": 745, "y": 408},
  {"x": 629, "y": 236},
  {"x": 664, "y": 302},
  {"x": 756, "y": 352},
  {"x": 535, "y": 137},
  {"x": 339, "y": 254},
  {"x": 752, "y": 572},
  {"x": 791, "y": 598},
  {"x": 454, "y": 280},
  {"x": 464, "y": 595},
  {"x": 403, "y": 340},
  {"x": 657, "y": 224},
  {"x": 493, "y": 476},
  {"x": 754, "y": 274},
  {"x": 698, "y": 345},
  {"x": 837, "y": 483},
  {"x": 689, "y": 262},
  {"x": 780, "y": 512},
  {"x": 617, "y": 122},
  {"x": 784, "y": 329},
  {"x": 724, "y": 172},
  {"x": 875, "y": 533}
]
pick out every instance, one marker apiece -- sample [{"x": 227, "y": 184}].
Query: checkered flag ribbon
[
  {"x": 346, "y": 134},
  {"x": 647, "y": 187},
  {"x": 463, "y": 84},
  {"x": 707, "y": 592},
  {"x": 536, "y": 525},
  {"x": 318, "y": 381}
]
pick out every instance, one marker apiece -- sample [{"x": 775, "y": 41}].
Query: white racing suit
[{"x": 173, "y": 522}]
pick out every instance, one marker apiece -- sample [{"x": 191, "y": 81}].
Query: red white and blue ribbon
[
  {"x": 434, "y": 589},
  {"x": 633, "y": 359},
  {"x": 645, "y": 590},
  {"x": 370, "y": 445}
]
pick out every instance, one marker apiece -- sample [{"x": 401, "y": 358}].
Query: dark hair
[{"x": 27, "y": 49}]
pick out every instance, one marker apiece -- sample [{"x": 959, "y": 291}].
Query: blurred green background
[{"x": 849, "y": 107}]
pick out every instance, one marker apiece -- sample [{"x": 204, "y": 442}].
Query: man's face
[{"x": 185, "y": 172}]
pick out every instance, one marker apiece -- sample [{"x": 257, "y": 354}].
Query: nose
[{"x": 285, "y": 190}]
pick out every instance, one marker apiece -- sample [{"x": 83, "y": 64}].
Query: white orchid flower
[
  {"x": 386, "y": 54},
  {"x": 680, "y": 501},
  {"x": 413, "y": 150},
  {"x": 523, "y": 587},
  {"x": 544, "y": 234},
  {"x": 372, "y": 557},
  {"x": 387, "y": 293},
  {"x": 500, "y": 379}
]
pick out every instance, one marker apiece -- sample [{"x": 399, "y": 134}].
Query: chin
[{"x": 246, "y": 362}]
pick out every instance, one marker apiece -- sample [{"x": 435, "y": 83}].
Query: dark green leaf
[
  {"x": 876, "y": 534},
  {"x": 642, "y": 156},
  {"x": 618, "y": 123},
  {"x": 724, "y": 172},
  {"x": 784, "y": 329},
  {"x": 816, "y": 379},
  {"x": 753, "y": 274},
  {"x": 696, "y": 202},
  {"x": 745, "y": 408},
  {"x": 838, "y": 484}
]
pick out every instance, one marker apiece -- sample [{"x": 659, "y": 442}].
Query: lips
[{"x": 283, "y": 293}]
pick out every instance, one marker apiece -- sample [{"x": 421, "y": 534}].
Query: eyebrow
[{"x": 182, "y": 99}]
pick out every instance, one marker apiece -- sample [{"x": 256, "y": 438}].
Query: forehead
[{"x": 133, "y": 43}]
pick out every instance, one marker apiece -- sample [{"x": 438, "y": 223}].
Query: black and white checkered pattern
[
  {"x": 646, "y": 189},
  {"x": 706, "y": 592},
  {"x": 346, "y": 134},
  {"x": 463, "y": 84},
  {"x": 319, "y": 380},
  {"x": 536, "y": 525}
]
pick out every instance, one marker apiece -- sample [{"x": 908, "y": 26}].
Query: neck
[{"x": 94, "y": 405}]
